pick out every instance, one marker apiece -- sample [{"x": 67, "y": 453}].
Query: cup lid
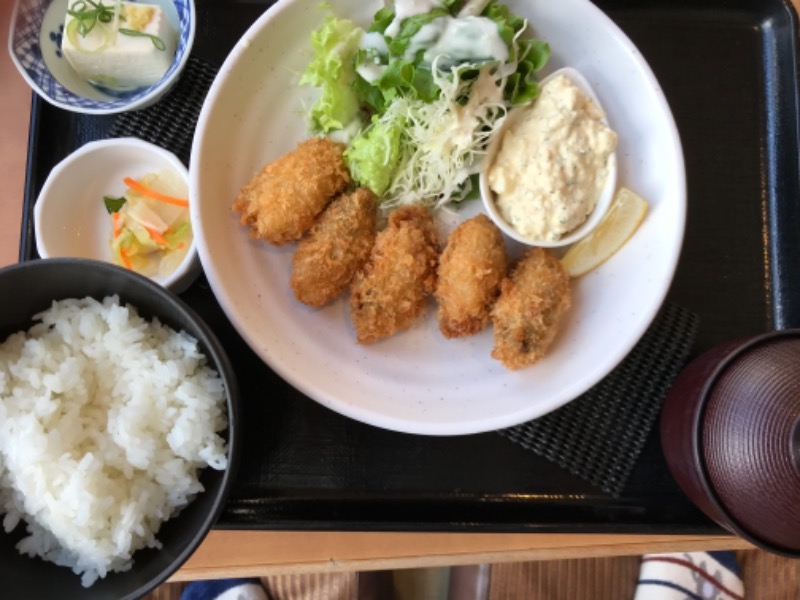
[{"x": 750, "y": 439}]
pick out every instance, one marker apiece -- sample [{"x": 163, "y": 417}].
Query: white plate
[{"x": 417, "y": 381}]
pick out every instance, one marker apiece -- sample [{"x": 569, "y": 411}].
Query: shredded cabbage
[{"x": 444, "y": 140}]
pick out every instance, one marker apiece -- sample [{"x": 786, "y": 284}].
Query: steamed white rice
[{"x": 105, "y": 420}]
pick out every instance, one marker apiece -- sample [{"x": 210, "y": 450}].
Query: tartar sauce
[{"x": 552, "y": 166}]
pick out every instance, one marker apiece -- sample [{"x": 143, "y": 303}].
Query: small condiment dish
[
  {"x": 488, "y": 196},
  {"x": 70, "y": 218},
  {"x": 35, "y": 41}
]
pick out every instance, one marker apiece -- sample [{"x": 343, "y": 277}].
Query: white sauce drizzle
[
  {"x": 466, "y": 39},
  {"x": 403, "y": 9}
]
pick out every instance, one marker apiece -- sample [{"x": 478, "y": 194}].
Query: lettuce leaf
[
  {"x": 381, "y": 20},
  {"x": 373, "y": 155},
  {"x": 522, "y": 85},
  {"x": 531, "y": 54},
  {"x": 332, "y": 69},
  {"x": 508, "y": 24}
]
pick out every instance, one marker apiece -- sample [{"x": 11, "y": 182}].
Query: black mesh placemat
[
  {"x": 599, "y": 435},
  {"x": 170, "y": 122}
]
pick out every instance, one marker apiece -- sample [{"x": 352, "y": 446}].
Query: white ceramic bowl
[
  {"x": 418, "y": 381},
  {"x": 70, "y": 220},
  {"x": 34, "y": 43},
  {"x": 603, "y": 201}
]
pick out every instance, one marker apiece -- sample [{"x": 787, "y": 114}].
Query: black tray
[{"x": 729, "y": 71}]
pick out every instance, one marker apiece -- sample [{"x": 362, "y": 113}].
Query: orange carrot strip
[
  {"x": 146, "y": 191},
  {"x": 117, "y": 225},
  {"x": 125, "y": 260},
  {"x": 157, "y": 237}
]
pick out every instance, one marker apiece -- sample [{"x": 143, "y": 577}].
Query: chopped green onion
[
  {"x": 113, "y": 204},
  {"x": 88, "y": 44},
  {"x": 88, "y": 13},
  {"x": 157, "y": 41}
]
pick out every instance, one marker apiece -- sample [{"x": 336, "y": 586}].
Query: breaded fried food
[
  {"x": 473, "y": 264},
  {"x": 388, "y": 294},
  {"x": 337, "y": 246},
  {"x": 532, "y": 302},
  {"x": 281, "y": 202}
]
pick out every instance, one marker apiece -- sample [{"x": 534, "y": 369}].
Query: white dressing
[
  {"x": 425, "y": 38},
  {"x": 403, "y": 9},
  {"x": 374, "y": 40},
  {"x": 472, "y": 8},
  {"x": 466, "y": 39},
  {"x": 370, "y": 72}
]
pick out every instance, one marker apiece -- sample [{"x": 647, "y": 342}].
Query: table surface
[{"x": 226, "y": 553}]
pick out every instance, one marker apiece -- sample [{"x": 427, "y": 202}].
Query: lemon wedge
[{"x": 623, "y": 218}]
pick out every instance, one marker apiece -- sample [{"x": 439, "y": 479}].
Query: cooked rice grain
[{"x": 105, "y": 421}]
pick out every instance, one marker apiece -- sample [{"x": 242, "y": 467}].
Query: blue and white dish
[{"x": 34, "y": 43}]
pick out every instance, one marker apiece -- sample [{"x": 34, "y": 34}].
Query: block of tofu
[{"x": 126, "y": 50}]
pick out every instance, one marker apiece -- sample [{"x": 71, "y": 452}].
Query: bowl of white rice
[{"x": 118, "y": 440}]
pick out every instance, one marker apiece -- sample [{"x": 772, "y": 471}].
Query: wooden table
[{"x": 261, "y": 553}]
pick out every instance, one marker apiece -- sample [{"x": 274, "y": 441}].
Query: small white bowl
[
  {"x": 603, "y": 201},
  {"x": 70, "y": 220},
  {"x": 34, "y": 43}
]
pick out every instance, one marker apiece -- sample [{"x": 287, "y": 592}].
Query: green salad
[{"x": 418, "y": 95}]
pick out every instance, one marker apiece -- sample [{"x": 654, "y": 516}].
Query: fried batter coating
[
  {"x": 526, "y": 316},
  {"x": 473, "y": 264},
  {"x": 281, "y": 202},
  {"x": 337, "y": 246},
  {"x": 389, "y": 292}
]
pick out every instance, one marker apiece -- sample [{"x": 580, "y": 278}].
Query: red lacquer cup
[{"x": 730, "y": 431}]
